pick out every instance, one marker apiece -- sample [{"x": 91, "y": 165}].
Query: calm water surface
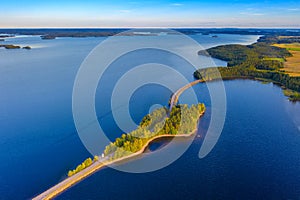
[{"x": 256, "y": 156}]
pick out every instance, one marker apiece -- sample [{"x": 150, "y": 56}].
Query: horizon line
[{"x": 188, "y": 27}]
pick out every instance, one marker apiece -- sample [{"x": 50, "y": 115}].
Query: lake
[{"x": 257, "y": 155}]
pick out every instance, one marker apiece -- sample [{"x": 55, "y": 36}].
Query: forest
[
  {"x": 260, "y": 60},
  {"x": 275, "y": 39},
  {"x": 83, "y": 165},
  {"x": 259, "y": 55},
  {"x": 181, "y": 120}
]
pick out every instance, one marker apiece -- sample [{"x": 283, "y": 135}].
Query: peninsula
[
  {"x": 177, "y": 121},
  {"x": 158, "y": 124},
  {"x": 272, "y": 58}
]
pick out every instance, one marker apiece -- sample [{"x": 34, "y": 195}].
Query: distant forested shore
[
  {"x": 49, "y": 33},
  {"x": 262, "y": 60}
]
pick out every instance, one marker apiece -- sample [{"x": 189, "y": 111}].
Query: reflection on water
[{"x": 293, "y": 110}]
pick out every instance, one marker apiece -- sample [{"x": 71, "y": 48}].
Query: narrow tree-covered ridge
[
  {"x": 261, "y": 60},
  {"x": 181, "y": 121}
]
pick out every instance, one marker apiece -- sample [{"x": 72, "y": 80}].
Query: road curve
[
  {"x": 71, "y": 181},
  {"x": 176, "y": 95}
]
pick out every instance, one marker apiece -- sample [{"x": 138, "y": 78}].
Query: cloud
[
  {"x": 176, "y": 4},
  {"x": 293, "y": 9},
  {"x": 257, "y": 14},
  {"x": 125, "y": 11},
  {"x": 251, "y": 14}
]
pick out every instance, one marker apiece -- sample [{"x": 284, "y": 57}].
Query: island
[
  {"x": 27, "y": 47},
  {"x": 5, "y": 35},
  {"x": 11, "y": 46},
  {"x": 271, "y": 58}
]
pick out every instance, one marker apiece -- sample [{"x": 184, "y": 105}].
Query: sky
[{"x": 152, "y": 13}]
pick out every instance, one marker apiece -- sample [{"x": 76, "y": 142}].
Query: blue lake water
[{"x": 257, "y": 155}]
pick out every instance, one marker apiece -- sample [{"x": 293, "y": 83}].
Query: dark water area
[
  {"x": 158, "y": 144},
  {"x": 257, "y": 155}
]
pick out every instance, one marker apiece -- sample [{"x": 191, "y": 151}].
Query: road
[
  {"x": 176, "y": 95},
  {"x": 71, "y": 181}
]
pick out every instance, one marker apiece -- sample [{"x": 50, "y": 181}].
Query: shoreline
[
  {"x": 283, "y": 88},
  {"x": 96, "y": 166}
]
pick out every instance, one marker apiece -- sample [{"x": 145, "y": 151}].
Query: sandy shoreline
[{"x": 76, "y": 178}]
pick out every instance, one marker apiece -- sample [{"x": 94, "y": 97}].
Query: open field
[
  {"x": 290, "y": 47},
  {"x": 287, "y": 37},
  {"x": 292, "y": 64},
  {"x": 277, "y": 59}
]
